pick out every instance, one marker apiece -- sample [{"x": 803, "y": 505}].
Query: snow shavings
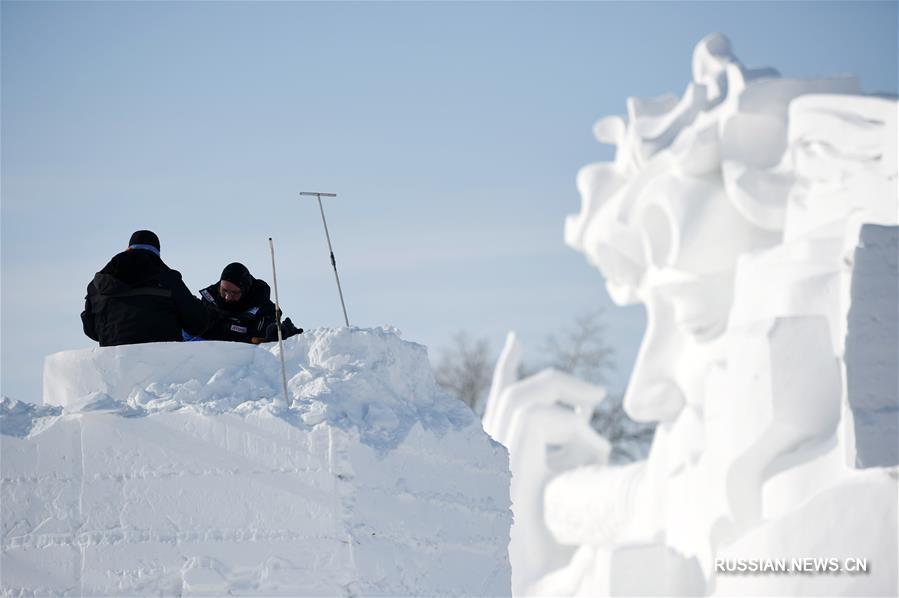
[
  {"x": 21, "y": 419},
  {"x": 365, "y": 379}
]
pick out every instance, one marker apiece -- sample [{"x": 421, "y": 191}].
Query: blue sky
[{"x": 452, "y": 133}]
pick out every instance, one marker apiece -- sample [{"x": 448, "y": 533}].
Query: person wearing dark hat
[
  {"x": 242, "y": 309},
  {"x": 136, "y": 298}
]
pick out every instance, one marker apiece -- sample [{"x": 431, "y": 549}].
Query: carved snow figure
[{"x": 732, "y": 214}]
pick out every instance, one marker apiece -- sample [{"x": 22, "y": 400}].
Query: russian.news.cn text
[{"x": 793, "y": 566}]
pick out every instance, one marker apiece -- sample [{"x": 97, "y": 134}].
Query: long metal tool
[
  {"x": 330, "y": 249},
  {"x": 271, "y": 247}
]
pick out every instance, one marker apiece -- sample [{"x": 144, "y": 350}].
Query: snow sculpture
[
  {"x": 527, "y": 415},
  {"x": 167, "y": 469},
  {"x": 732, "y": 213}
]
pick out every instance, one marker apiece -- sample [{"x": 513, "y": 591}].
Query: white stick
[{"x": 286, "y": 403}]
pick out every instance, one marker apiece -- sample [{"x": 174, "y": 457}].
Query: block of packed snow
[
  {"x": 872, "y": 347},
  {"x": 821, "y": 545},
  {"x": 188, "y": 479},
  {"x": 784, "y": 393},
  {"x": 80, "y": 380},
  {"x": 638, "y": 569}
]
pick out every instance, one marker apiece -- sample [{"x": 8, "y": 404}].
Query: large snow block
[
  {"x": 163, "y": 480},
  {"x": 835, "y": 523},
  {"x": 73, "y": 378},
  {"x": 872, "y": 347},
  {"x": 782, "y": 393}
]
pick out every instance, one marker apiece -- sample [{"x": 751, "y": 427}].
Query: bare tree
[
  {"x": 581, "y": 350},
  {"x": 630, "y": 439},
  {"x": 465, "y": 369}
]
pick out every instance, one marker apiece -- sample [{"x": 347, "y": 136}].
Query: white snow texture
[{"x": 168, "y": 468}]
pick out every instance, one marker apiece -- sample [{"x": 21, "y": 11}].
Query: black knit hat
[
  {"x": 238, "y": 274},
  {"x": 144, "y": 237}
]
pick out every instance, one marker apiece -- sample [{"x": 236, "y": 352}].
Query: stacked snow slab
[
  {"x": 835, "y": 521},
  {"x": 872, "y": 347},
  {"x": 148, "y": 480}
]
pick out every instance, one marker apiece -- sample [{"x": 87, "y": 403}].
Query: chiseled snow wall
[
  {"x": 872, "y": 353},
  {"x": 167, "y": 468}
]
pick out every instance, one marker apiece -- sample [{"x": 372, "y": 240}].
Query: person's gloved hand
[{"x": 287, "y": 330}]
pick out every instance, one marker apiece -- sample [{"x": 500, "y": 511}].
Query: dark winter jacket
[
  {"x": 243, "y": 320},
  {"x": 136, "y": 298}
]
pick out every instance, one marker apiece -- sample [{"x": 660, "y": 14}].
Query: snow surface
[
  {"x": 872, "y": 348},
  {"x": 835, "y": 522},
  {"x": 167, "y": 468}
]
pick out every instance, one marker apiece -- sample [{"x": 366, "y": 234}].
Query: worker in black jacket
[
  {"x": 136, "y": 298},
  {"x": 242, "y": 309}
]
